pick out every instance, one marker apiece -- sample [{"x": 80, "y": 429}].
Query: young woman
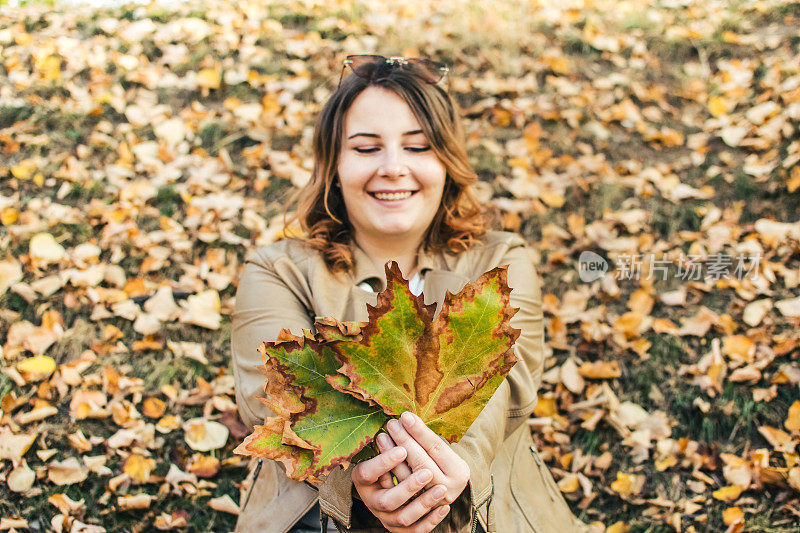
[{"x": 392, "y": 181}]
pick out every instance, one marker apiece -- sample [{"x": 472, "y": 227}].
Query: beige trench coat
[{"x": 287, "y": 285}]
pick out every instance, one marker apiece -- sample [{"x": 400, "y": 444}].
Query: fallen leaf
[
  {"x": 139, "y": 468},
  {"x": 21, "y": 478},
  {"x": 792, "y": 422},
  {"x": 728, "y": 493},
  {"x": 224, "y": 504},
  {"x": 10, "y": 273},
  {"x": 754, "y": 312},
  {"x": 36, "y": 368},
  {"x": 732, "y": 515},
  {"x": 153, "y": 407},
  {"x": 204, "y": 465},
  {"x": 14, "y": 446},
  {"x": 138, "y": 501},
  {"x": 600, "y": 370},
  {"x": 67, "y": 472},
  {"x": 202, "y": 310},
  {"x": 44, "y": 249},
  {"x": 205, "y": 435},
  {"x": 628, "y": 484}
]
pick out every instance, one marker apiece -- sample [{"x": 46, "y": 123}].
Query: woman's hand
[
  {"x": 425, "y": 451},
  {"x": 395, "y": 506}
]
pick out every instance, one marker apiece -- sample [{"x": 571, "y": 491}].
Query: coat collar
[
  {"x": 365, "y": 269},
  {"x": 439, "y": 277}
]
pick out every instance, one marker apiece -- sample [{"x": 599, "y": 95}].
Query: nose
[{"x": 393, "y": 164}]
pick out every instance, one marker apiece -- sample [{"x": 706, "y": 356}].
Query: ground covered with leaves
[{"x": 146, "y": 149}]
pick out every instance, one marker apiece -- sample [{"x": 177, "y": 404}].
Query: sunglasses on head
[{"x": 376, "y": 68}]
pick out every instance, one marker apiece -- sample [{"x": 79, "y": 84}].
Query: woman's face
[{"x": 390, "y": 178}]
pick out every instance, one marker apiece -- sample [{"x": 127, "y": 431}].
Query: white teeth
[{"x": 392, "y": 195}]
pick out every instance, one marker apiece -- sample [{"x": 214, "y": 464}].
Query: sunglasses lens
[
  {"x": 430, "y": 71},
  {"x": 364, "y": 65}
]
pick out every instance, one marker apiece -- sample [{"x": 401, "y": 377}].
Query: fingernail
[
  {"x": 424, "y": 476},
  {"x": 383, "y": 441},
  {"x": 392, "y": 425},
  {"x": 407, "y": 418},
  {"x": 439, "y": 492},
  {"x": 444, "y": 509}
]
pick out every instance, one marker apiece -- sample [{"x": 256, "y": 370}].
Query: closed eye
[{"x": 415, "y": 149}]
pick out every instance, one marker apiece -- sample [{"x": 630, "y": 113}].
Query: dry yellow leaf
[
  {"x": 792, "y": 422},
  {"x": 666, "y": 462},
  {"x": 546, "y": 406},
  {"x": 139, "y": 468},
  {"x": 24, "y": 170},
  {"x": 8, "y": 215},
  {"x": 49, "y": 67},
  {"x": 553, "y": 199},
  {"x": 739, "y": 348},
  {"x": 618, "y": 527},
  {"x": 204, "y": 465},
  {"x": 778, "y": 439},
  {"x": 36, "y": 368},
  {"x": 728, "y": 493},
  {"x": 569, "y": 483},
  {"x": 793, "y": 182},
  {"x": 718, "y": 106},
  {"x": 65, "y": 504},
  {"x": 628, "y": 484},
  {"x": 168, "y": 423},
  {"x": 600, "y": 370},
  {"x": 88, "y": 404},
  {"x": 732, "y": 515},
  {"x": 209, "y": 78},
  {"x": 154, "y": 407},
  {"x": 629, "y": 324}
]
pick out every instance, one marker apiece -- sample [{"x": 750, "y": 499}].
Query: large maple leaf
[
  {"x": 444, "y": 370},
  {"x": 332, "y": 391}
]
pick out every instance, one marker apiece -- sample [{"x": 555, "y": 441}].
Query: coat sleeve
[
  {"x": 265, "y": 303},
  {"x": 512, "y": 402}
]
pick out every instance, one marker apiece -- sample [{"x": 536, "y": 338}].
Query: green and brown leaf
[
  {"x": 445, "y": 370},
  {"x": 333, "y": 392}
]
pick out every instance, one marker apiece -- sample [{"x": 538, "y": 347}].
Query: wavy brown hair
[{"x": 459, "y": 221}]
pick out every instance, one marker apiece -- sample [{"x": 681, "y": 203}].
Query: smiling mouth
[{"x": 392, "y": 195}]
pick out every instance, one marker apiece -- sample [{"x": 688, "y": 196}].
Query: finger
[
  {"x": 417, "y": 456},
  {"x": 390, "y": 500},
  {"x": 402, "y": 470},
  {"x": 386, "y": 481},
  {"x": 433, "y": 518},
  {"x": 421, "y": 506},
  {"x": 436, "y": 447},
  {"x": 369, "y": 471}
]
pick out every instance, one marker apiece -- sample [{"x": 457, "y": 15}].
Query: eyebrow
[{"x": 376, "y": 136}]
